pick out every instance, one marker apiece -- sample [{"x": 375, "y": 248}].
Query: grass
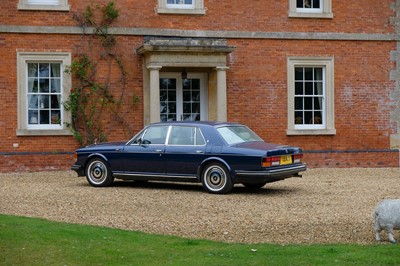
[{"x": 31, "y": 241}]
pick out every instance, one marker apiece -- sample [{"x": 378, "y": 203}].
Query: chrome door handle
[
  {"x": 158, "y": 150},
  {"x": 199, "y": 151}
]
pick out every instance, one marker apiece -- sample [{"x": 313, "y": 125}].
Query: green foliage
[
  {"x": 92, "y": 98},
  {"x": 28, "y": 241}
]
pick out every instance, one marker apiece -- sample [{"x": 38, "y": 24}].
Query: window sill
[
  {"x": 310, "y": 15},
  {"x": 181, "y": 11},
  {"x": 298, "y": 132},
  {"x": 28, "y": 132},
  {"x": 43, "y": 7}
]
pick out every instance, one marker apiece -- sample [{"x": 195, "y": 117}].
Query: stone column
[
  {"x": 154, "y": 101},
  {"x": 221, "y": 94}
]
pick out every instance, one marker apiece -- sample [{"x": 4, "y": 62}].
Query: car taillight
[
  {"x": 297, "y": 158},
  {"x": 75, "y": 156},
  {"x": 271, "y": 161}
]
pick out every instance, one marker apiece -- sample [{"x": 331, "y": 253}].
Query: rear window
[{"x": 237, "y": 134}]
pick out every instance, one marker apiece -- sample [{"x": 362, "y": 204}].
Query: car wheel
[
  {"x": 98, "y": 174},
  {"x": 216, "y": 179},
  {"x": 254, "y": 185}
]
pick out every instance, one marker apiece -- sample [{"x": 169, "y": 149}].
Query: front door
[{"x": 183, "y": 99}]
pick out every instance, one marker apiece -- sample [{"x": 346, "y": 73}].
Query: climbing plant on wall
[{"x": 98, "y": 93}]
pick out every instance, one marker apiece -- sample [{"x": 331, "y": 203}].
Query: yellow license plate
[{"x": 286, "y": 159}]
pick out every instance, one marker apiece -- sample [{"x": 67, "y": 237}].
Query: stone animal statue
[{"x": 387, "y": 217}]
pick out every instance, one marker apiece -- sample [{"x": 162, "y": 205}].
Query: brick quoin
[{"x": 364, "y": 63}]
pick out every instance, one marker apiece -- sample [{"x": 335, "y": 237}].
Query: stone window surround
[
  {"x": 24, "y": 57},
  {"x": 197, "y": 10},
  {"x": 25, "y": 5},
  {"x": 328, "y": 64},
  {"x": 326, "y": 10}
]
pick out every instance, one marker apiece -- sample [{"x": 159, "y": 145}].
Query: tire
[
  {"x": 254, "y": 185},
  {"x": 98, "y": 173},
  {"x": 216, "y": 179}
]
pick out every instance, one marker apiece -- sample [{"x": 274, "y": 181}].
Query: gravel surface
[{"x": 325, "y": 206}]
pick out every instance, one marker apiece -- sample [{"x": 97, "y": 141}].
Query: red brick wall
[{"x": 257, "y": 78}]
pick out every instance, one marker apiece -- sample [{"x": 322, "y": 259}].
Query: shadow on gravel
[{"x": 197, "y": 187}]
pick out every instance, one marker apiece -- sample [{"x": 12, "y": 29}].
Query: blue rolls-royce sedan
[{"x": 216, "y": 154}]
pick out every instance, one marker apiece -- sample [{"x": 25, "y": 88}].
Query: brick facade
[{"x": 362, "y": 38}]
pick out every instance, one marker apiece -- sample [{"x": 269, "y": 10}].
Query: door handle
[
  {"x": 199, "y": 151},
  {"x": 158, "y": 150}
]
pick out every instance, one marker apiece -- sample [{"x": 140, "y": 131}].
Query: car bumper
[
  {"x": 78, "y": 169},
  {"x": 270, "y": 175}
]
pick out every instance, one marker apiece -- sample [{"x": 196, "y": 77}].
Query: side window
[
  {"x": 42, "y": 87},
  {"x": 310, "y": 8},
  {"x": 155, "y": 135},
  {"x": 185, "y": 135},
  {"x": 310, "y": 96},
  {"x": 194, "y": 7},
  {"x": 56, "y": 5}
]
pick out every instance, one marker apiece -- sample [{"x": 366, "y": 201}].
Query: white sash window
[{"x": 56, "y": 5}]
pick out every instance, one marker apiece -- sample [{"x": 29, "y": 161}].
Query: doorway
[{"x": 183, "y": 99}]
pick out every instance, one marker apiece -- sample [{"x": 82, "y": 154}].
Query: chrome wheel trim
[
  {"x": 97, "y": 172},
  {"x": 215, "y": 178}
]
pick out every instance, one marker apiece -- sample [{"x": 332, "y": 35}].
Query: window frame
[
  {"x": 328, "y": 127},
  {"x": 325, "y": 11},
  {"x": 197, "y": 8},
  {"x": 23, "y": 128},
  {"x": 63, "y": 5}
]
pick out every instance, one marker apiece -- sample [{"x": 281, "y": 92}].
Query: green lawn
[{"x": 28, "y": 241}]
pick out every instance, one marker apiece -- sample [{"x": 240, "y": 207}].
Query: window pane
[
  {"x": 308, "y": 119},
  {"x": 44, "y": 70},
  {"x": 33, "y": 101},
  {"x": 186, "y": 96},
  {"x": 55, "y": 101},
  {"x": 309, "y": 88},
  {"x": 299, "y": 88},
  {"x": 318, "y": 73},
  {"x": 298, "y": 73},
  {"x": 308, "y": 73},
  {"x": 171, "y": 95},
  {"x": 316, "y": 3},
  {"x": 308, "y": 103},
  {"x": 318, "y": 88},
  {"x": 298, "y": 118},
  {"x": 199, "y": 138},
  {"x": 56, "y": 117},
  {"x": 171, "y": 107},
  {"x": 44, "y": 117},
  {"x": 55, "y": 85},
  {"x": 318, "y": 118},
  {"x": 55, "y": 70},
  {"x": 33, "y": 85},
  {"x": 44, "y": 85},
  {"x": 32, "y": 70},
  {"x": 33, "y": 117},
  {"x": 299, "y": 3},
  {"x": 298, "y": 103},
  {"x": 44, "y": 102},
  {"x": 155, "y": 135},
  {"x": 317, "y": 103}
]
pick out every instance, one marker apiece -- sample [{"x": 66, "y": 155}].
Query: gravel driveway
[{"x": 325, "y": 206}]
